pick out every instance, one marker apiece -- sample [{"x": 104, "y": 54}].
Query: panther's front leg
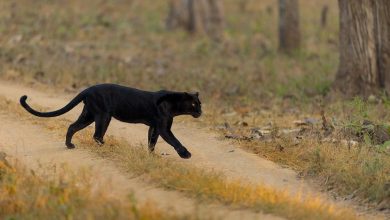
[
  {"x": 166, "y": 133},
  {"x": 152, "y": 138}
]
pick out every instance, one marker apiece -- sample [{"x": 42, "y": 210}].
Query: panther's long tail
[{"x": 80, "y": 97}]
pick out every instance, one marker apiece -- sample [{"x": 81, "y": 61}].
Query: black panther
[{"x": 154, "y": 109}]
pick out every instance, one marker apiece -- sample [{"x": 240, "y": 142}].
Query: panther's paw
[
  {"x": 70, "y": 146},
  {"x": 184, "y": 153},
  {"x": 99, "y": 141},
  {"x": 151, "y": 149}
]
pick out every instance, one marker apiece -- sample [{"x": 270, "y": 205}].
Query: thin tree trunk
[
  {"x": 178, "y": 15},
  {"x": 196, "y": 16},
  {"x": 382, "y": 9},
  {"x": 216, "y": 19},
  {"x": 324, "y": 15},
  {"x": 242, "y": 5},
  {"x": 289, "y": 31},
  {"x": 364, "y": 47}
]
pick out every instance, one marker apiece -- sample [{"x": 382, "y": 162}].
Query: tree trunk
[
  {"x": 324, "y": 15},
  {"x": 196, "y": 16},
  {"x": 178, "y": 15},
  {"x": 364, "y": 47},
  {"x": 289, "y": 32},
  {"x": 383, "y": 42},
  {"x": 215, "y": 20}
]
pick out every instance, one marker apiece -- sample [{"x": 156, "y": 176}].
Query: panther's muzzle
[{"x": 197, "y": 114}]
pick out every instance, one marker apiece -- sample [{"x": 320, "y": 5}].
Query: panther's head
[
  {"x": 192, "y": 105},
  {"x": 178, "y": 103}
]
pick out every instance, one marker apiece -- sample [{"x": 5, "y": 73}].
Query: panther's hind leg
[
  {"x": 152, "y": 138},
  {"x": 101, "y": 124},
  {"x": 153, "y": 135},
  {"x": 85, "y": 119}
]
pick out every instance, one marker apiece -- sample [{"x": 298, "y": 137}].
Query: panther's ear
[{"x": 197, "y": 94}]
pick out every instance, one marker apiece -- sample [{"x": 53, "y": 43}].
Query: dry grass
[
  {"x": 199, "y": 183},
  {"x": 60, "y": 193},
  {"x": 357, "y": 171},
  {"x": 361, "y": 171}
]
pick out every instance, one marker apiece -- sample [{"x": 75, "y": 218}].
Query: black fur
[{"x": 154, "y": 109}]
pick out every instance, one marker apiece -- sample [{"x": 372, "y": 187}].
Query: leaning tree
[{"x": 364, "y": 48}]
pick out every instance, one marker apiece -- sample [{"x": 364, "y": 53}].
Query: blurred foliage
[{"x": 79, "y": 43}]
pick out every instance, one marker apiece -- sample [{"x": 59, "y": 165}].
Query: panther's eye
[{"x": 193, "y": 104}]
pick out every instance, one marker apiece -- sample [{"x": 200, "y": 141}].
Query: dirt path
[
  {"x": 35, "y": 148},
  {"x": 207, "y": 152}
]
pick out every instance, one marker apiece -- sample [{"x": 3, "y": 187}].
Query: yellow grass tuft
[{"x": 63, "y": 194}]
